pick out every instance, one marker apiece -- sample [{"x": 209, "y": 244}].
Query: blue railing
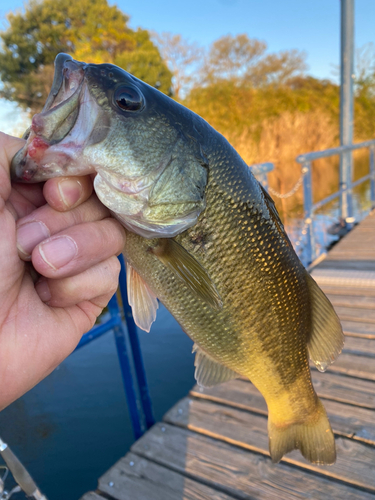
[
  {"x": 122, "y": 324},
  {"x": 260, "y": 170}
]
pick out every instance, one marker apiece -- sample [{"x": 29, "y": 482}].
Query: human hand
[{"x": 72, "y": 243}]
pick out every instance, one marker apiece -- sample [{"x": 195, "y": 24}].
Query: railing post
[
  {"x": 308, "y": 209},
  {"x": 372, "y": 173},
  {"x": 346, "y": 106},
  {"x": 125, "y": 367},
  {"x": 136, "y": 350}
]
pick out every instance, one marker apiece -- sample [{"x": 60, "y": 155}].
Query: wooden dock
[{"x": 213, "y": 444}]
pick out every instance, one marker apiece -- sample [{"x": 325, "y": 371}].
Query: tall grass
[{"x": 281, "y": 140}]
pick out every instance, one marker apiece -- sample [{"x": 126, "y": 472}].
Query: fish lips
[{"x": 55, "y": 121}]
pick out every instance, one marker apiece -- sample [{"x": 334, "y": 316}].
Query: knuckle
[{"x": 114, "y": 268}]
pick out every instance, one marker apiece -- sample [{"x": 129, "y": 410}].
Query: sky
[{"x": 309, "y": 25}]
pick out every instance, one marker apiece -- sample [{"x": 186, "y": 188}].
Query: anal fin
[
  {"x": 143, "y": 302},
  {"x": 209, "y": 372},
  {"x": 326, "y": 339}
]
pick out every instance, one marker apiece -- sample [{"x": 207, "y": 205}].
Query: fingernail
[
  {"x": 42, "y": 289},
  {"x": 57, "y": 252},
  {"x": 70, "y": 191},
  {"x": 29, "y": 235}
]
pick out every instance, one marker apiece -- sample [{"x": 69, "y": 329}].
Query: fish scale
[{"x": 250, "y": 319}]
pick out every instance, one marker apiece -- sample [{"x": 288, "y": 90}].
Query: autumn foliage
[
  {"x": 264, "y": 103},
  {"x": 89, "y": 30}
]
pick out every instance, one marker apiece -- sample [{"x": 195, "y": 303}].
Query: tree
[
  {"x": 182, "y": 58},
  {"x": 89, "y": 30},
  {"x": 364, "y": 112},
  {"x": 245, "y": 61}
]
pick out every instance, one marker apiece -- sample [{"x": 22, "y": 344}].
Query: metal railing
[
  {"x": 122, "y": 324},
  {"x": 260, "y": 171},
  {"x": 344, "y": 194}
]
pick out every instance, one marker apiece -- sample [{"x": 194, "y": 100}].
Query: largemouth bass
[{"x": 203, "y": 237}]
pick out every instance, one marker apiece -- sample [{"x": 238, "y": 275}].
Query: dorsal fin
[
  {"x": 275, "y": 215},
  {"x": 143, "y": 302},
  {"x": 188, "y": 270},
  {"x": 209, "y": 372},
  {"x": 327, "y": 339}
]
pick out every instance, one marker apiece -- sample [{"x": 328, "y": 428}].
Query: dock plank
[
  {"x": 360, "y": 330},
  {"x": 354, "y": 365},
  {"x": 358, "y": 301},
  {"x": 249, "y": 431},
  {"x": 136, "y": 478},
  {"x": 350, "y": 291},
  {"x": 365, "y": 264},
  {"x": 242, "y": 473},
  {"x": 91, "y": 495},
  {"x": 346, "y": 420},
  {"x": 360, "y": 346},
  {"x": 354, "y": 391},
  {"x": 355, "y": 314}
]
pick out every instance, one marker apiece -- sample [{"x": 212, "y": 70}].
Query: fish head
[{"x": 145, "y": 149}]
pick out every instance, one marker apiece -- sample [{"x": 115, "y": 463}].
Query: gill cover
[{"x": 165, "y": 201}]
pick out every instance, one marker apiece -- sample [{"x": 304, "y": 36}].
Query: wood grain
[
  {"x": 356, "y": 366},
  {"x": 355, "y": 459},
  {"x": 358, "y": 301},
  {"x": 344, "y": 389},
  {"x": 352, "y": 290},
  {"x": 137, "y": 478},
  {"x": 91, "y": 495},
  {"x": 360, "y": 346},
  {"x": 239, "y": 472},
  {"x": 348, "y": 260},
  {"x": 346, "y": 420},
  {"x": 360, "y": 330},
  {"x": 355, "y": 314}
]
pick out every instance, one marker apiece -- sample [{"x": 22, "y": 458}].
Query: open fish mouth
[
  {"x": 97, "y": 120},
  {"x": 47, "y": 147}
]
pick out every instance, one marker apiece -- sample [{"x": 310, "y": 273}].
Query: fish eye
[{"x": 128, "y": 98}]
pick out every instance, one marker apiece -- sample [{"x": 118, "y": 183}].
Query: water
[{"x": 75, "y": 425}]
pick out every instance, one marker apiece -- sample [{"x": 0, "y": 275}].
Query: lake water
[{"x": 75, "y": 425}]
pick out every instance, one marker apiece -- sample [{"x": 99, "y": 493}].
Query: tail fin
[{"x": 314, "y": 438}]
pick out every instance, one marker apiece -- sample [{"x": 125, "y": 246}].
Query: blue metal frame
[{"x": 125, "y": 331}]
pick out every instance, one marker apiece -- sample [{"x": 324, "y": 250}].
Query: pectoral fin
[
  {"x": 209, "y": 372},
  {"x": 143, "y": 302},
  {"x": 327, "y": 339},
  {"x": 188, "y": 270}
]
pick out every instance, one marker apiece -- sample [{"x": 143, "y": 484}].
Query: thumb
[{"x": 8, "y": 148}]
